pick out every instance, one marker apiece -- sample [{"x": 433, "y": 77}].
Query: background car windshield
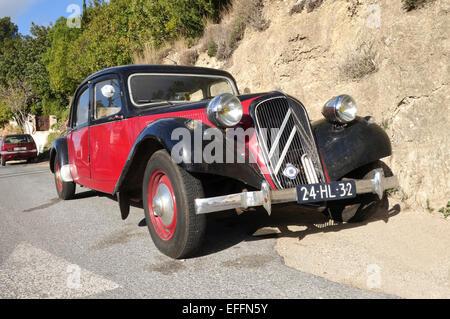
[
  {"x": 148, "y": 89},
  {"x": 15, "y": 139}
]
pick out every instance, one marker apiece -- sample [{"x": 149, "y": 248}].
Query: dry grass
[
  {"x": 188, "y": 57},
  {"x": 309, "y": 5},
  {"x": 359, "y": 63},
  {"x": 227, "y": 35},
  {"x": 251, "y": 13},
  {"x": 150, "y": 55},
  {"x": 219, "y": 40}
]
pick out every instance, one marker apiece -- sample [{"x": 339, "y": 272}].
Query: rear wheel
[
  {"x": 363, "y": 206},
  {"x": 3, "y": 161},
  {"x": 169, "y": 194},
  {"x": 65, "y": 190}
]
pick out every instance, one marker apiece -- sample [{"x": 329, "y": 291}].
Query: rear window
[{"x": 16, "y": 139}]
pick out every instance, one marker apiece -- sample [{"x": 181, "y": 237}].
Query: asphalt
[{"x": 82, "y": 249}]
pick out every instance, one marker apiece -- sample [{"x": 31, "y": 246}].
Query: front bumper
[{"x": 267, "y": 197}]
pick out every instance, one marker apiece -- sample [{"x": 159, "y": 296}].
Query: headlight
[
  {"x": 225, "y": 110},
  {"x": 341, "y": 109}
]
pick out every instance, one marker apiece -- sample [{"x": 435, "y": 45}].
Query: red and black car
[
  {"x": 17, "y": 147},
  {"x": 184, "y": 142}
]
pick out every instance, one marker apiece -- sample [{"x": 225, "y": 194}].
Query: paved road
[{"x": 81, "y": 248}]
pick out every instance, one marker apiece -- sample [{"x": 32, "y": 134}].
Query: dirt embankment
[
  {"x": 309, "y": 56},
  {"x": 396, "y": 65}
]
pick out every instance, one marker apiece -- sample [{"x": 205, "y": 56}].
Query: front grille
[{"x": 285, "y": 136}]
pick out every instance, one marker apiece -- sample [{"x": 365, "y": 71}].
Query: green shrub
[
  {"x": 51, "y": 138},
  {"x": 212, "y": 48},
  {"x": 237, "y": 32},
  {"x": 429, "y": 208},
  {"x": 409, "y": 5},
  {"x": 445, "y": 210}
]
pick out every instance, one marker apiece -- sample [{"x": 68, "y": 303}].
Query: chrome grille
[{"x": 285, "y": 137}]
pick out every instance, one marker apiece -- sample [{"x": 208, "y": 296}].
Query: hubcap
[{"x": 162, "y": 205}]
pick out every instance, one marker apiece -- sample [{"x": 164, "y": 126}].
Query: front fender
[
  {"x": 159, "y": 133},
  {"x": 59, "y": 147},
  {"x": 345, "y": 149}
]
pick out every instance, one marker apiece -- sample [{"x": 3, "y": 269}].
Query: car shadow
[
  {"x": 92, "y": 193},
  {"x": 227, "y": 230}
]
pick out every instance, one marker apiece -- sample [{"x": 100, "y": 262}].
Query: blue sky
[{"x": 41, "y": 12}]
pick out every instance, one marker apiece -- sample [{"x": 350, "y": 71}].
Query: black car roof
[{"x": 148, "y": 68}]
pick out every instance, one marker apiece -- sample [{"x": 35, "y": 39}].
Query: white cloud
[{"x": 13, "y": 8}]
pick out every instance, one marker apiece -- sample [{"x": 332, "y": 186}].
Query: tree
[
  {"x": 16, "y": 98},
  {"x": 53, "y": 60},
  {"x": 8, "y": 30},
  {"x": 5, "y": 114}
]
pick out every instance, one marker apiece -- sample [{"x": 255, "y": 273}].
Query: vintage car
[
  {"x": 17, "y": 147},
  {"x": 125, "y": 139}
]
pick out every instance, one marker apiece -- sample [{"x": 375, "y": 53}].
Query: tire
[
  {"x": 3, "y": 161},
  {"x": 65, "y": 190},
  {"x": 175, "y": 228},
  {"x": 368, "y": 203}
]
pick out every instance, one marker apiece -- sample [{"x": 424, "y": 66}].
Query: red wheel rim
[
  {"x": 163, "y": 216},
  {"x": 58, "y": 177}
]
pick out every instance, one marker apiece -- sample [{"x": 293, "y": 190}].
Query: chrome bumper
[{"x": 267, "y": 197}]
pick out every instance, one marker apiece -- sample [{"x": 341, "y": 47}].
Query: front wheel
[
  {"x": 3, "y": 161},
  {"x": 365, "y": 205},
  {"x": 65, "y": 190},
  {"x": 169, "y": 194}
]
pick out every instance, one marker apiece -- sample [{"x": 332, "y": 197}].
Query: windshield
[
  {"x": 16, "y": 139},
  {"x": 153, "y": 89}
]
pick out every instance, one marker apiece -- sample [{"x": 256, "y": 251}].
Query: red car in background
[{"x": 17, "y": 147}]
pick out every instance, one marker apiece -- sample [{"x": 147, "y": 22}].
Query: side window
[
  {"x": 219, "y": 88},
  {"x": 197, "y": 96},
  {"x": 108, "y": 99},
  {"x": 82, "y": 110}
]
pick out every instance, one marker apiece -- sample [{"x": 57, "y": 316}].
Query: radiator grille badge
[{"x": 291, "y": 171}]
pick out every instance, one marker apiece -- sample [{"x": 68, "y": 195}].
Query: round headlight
[
  {"x": 341, "y": 109},
  {"x": 225, "y": 110}
]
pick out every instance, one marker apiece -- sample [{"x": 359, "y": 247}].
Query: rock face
[{"x": 407, "y": 91}]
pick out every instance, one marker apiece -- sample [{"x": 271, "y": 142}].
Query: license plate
[
  {"x": 20, "y": 148},
  {"x": 326, "y": 192}
]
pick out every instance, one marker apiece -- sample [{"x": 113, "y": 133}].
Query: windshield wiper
[{"x": 155, "y": 101}]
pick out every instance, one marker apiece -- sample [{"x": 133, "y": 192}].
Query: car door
[
  {"x": 110, "y": 135},
  {"x": 78, "y": 137}
]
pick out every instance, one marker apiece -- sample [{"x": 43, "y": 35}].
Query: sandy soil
[{"x": 404, "y": 253}]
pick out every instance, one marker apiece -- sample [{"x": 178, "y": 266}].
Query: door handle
[{"x": 117, "y": 117}]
